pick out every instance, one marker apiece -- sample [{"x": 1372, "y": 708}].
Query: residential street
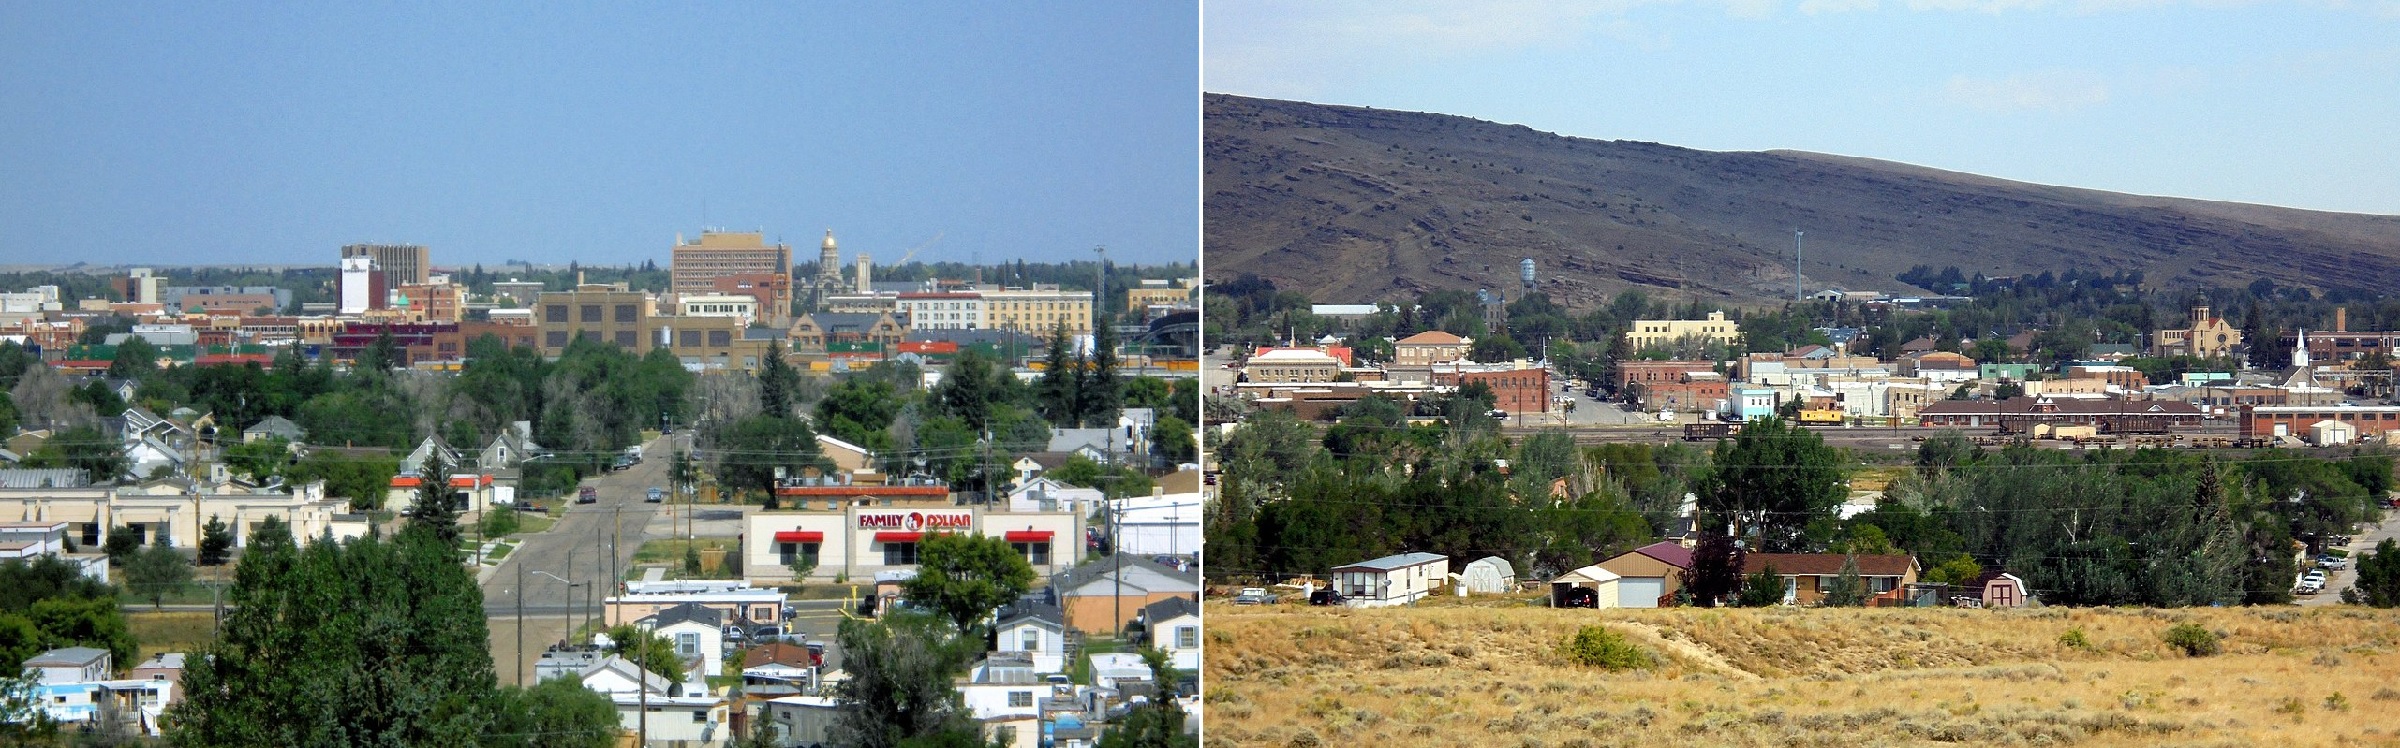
[
  {"x": 578, "y": 550},
  {"x": 2337, "y": 581}
]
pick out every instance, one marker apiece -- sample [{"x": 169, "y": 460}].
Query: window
[
  {"x": 1029, "y": 640},
  {"x": 591, "y": 312},
  {"x": 719, "y": 338},
  {"x": 625, "y": 313},
  {"x": 699, "y": 717},
  {"x": 554, "y": 312},
  {"x": 899, "y": 554},
  {"x": 786, "y": 553},
  {"x": 1020, "y": 699},
  {"x": 687, "y": 644},
  {"x": 762, "y": 613},
  {"x": 626, "y": 339},
  {"x": 688, "y": 339},
  {"x": 1037, "y": 554},
  {"x": 1187, "y": 637}
]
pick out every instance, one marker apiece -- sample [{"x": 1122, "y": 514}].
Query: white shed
[
  {"x": 2330, "y": 432},
  {"x": 1490, "y": 575},
  {"x": 1602, "y": 583}
]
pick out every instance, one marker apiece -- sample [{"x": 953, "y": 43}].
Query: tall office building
[
  {"x": 401, "y": 264},
  {"x": 698, "y": 263}
]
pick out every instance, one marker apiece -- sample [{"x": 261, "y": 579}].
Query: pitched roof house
[{"x": 1808, "y": 576}]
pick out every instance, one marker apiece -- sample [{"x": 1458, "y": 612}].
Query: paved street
[
  {"x": 2362, "y": 542},
  {"x": 577, "y": 549}
]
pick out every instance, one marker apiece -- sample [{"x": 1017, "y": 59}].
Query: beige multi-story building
[
  {"x": 1428, "y": 348},
  {"x": 1037, "y": 310},
  {"x": 609, "y": 313},
  {"x": 401, "y": 264},
  {"x": 943, "y": 310},
  {"x": 697, "y": 264},
  {"x": 1157, "y": 293},
  {"x": 1644, "y": 333},
  {"x": 1292, "y": 366},
  {"x": 739, "y": 306},
  {"x": 713, "y": 342},
  {"x": 2209, "y": 336}
]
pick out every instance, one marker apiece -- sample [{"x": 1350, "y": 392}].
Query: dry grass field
[{"x": 1490, "y": 673}]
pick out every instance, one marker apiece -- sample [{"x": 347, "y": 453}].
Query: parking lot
[{"x": 2336, "y": 581}]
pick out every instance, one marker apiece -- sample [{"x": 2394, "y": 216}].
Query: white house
[
  {"x": 800, "y": 720},
  {"x": 1391, "y": 580},
  {"x": 1043, "y": 494},
  {"x": 1036, "y": 631},
  {"x": 673, "y": 715},
  {"x": 696, "y": 631},
  {"x": 1173, "y": 626},
  {"x": 70, "y": 665},
  {"x": 1112, "y": 668},
  {"x": 1003, "y": 686}
]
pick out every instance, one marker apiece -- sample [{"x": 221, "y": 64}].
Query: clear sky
[
  {"x": 2286, "y": 103},
  {"x": 213, "y": 132}
]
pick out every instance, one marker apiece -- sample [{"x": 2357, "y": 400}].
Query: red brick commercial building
[
  {"x": 1652, "y": 372},
  {"x": 2295, "y": 420},
  {"x": 1697, "y": 390},
  {"x": 1518, "y": 391},
  {"x": 2021, "y": 414}
]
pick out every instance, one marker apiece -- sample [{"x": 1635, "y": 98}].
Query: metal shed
[{"x": 1490, "y": 575}]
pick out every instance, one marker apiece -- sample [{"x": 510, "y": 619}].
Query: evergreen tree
[
  {"x": 216, "y": 542},
  {"x": 778, "y": 384},
  {"x": 1848, "y": 590},
  {"x": 2378, "y": 577},
  {"x": 1056, "y": 393},
  {"x": 433, "y": 509},
  {"x": 1762, "y": 589},
  {"x": 382, "y": 355},
  {"x": 1098, "y": 390}
]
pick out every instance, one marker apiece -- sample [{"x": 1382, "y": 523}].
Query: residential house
[
  {"x": 1042, "y": 494},
  {"x": 1173, "y": 626},
  {"x": 1398, "y": 579},
  {"x": 1003, "y": 685},
  {"x": 1648, "y": 574},
  {"x": 274, "y": 427},
  {"x": 1105, "y": 594},
  {"x": 697, "y": 633},
  {"x": 166, "y": 666},
  {"x": 674, "y": 713},
  {"x": 27, "y": 541},
  {"x": 1036, "y": 630},
  {"x": 1808, "y": 576},
  {"x": 71, "y": 665},
  {"x": 778, "y": 668}
]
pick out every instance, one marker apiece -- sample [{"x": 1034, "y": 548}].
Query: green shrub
[
  {"x": 2194, "y": 640},
  {"x": 1596, "y": 646},
  {"x": 2075, "y": 639}
]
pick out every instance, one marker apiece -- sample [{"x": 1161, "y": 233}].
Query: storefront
[{"x": 858, "y": 542}]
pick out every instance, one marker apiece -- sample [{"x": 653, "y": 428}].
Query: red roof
[
  {"x": 1826, "y": 564},
  {"x": 1669, "y": 552},
  {"x": 236, "y": 359},
  {"x": 1431, "y": 337}
]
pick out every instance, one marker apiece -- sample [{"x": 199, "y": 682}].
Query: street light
[{"x": 569, "y": 635}]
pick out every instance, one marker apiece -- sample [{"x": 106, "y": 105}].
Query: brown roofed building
[
  {"x": 1428, "y": 348},
  {"x": 1808, "y": 576}
]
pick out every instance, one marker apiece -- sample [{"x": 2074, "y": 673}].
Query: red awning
[
  {"x": 799, "y": 536},
  {"x": 1028, "y": 536},
  {"x": 898, "y": 537}
]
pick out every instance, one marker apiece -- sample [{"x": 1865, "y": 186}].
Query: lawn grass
[
  {"x": 1466, "y": 673},
  {"x": 171, "y": 631},
  {"x": 670, "y": 550},
  {"x": 529, "y": 523}
]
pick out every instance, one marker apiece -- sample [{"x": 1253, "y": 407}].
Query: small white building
[
  {"x": 1602, "y": 583},
  {"x": 800, "y": 720},
  {"x": 2328, "y": 433},
  {"x": 1173, "y": 627},
  {"x": 1391, "y": 580},
  {"x": 1159, "y": 525},
  {"x": 1036, "y": 631},
  {"x": 1490, "y": 575},
  {"x": 1003, "y": 686},
  {"x": 696, "y": 631}
]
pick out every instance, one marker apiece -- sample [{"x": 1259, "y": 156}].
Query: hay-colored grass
[
  {"x": 170, "y": 631},
  {"x": 1453, "y": 674}
]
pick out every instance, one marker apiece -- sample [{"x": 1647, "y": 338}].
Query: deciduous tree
[{"x": 966, "y": 577}]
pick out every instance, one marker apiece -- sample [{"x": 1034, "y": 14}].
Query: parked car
[
  {"x": 655, "y": 495},
  {"x": 622, "y": 462},
  {"x": 587, "y": 495},
  {"x": 1325, "y": 597},
  {"x": 1580, "y": 597},
  {"x": 2336, "y": 563},
  {"x": 1252, "y": 596}
]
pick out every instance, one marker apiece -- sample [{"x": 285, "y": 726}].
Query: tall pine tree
[
  {"x": 1098, "y": 391},
  {"x": 1056, "y": 392},
  {"x": 433, "y": 510}
]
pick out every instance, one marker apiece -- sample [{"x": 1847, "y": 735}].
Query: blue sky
[
  {"x": 190, "y": 133},
  {"x": 2285, "y": 103}
]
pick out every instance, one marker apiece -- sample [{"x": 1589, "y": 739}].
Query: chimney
[{"x": 2341, "y": 319}]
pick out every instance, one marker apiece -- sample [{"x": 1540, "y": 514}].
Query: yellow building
[
  {"x": 2207, "y": 337},
  {"x": 1157, "y": 293},
  {"x": 1037, "y": 310},
  {"x": 1645, "y": 333},
  {"x": 608, "y": 313}
]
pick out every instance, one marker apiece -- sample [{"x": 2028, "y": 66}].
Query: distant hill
[{"x": 1354, "y": 205}]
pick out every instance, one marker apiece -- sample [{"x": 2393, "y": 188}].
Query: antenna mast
[{"x": 1797, "y": 235}]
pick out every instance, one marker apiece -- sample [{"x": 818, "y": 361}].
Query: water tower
[{"x": 1525, "y": 273}]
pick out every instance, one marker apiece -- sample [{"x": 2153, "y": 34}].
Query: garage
[{"x": 1640, "y": 592}]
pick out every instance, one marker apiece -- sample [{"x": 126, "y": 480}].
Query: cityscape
[{"x": 1221, "y": 372}]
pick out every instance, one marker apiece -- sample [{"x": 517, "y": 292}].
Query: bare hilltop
[{"x": 1397, "y": 203}]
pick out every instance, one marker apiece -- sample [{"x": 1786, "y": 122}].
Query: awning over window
[
  {"x": 1028, "y": 536},
  {"x": 898, "y": 537},
  {"x": 799, "y": 536}
]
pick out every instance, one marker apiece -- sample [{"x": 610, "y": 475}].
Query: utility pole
[
  {"x": 520, "y": 622},
  {"x": 569, "y": 637},
  {"x": 1797, "y": 236}
]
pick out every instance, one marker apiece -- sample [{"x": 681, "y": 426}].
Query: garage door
[{"x": 1640, "y": 592}]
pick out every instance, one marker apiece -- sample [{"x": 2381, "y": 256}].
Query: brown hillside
[{"x": 1405, "y": 202}]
